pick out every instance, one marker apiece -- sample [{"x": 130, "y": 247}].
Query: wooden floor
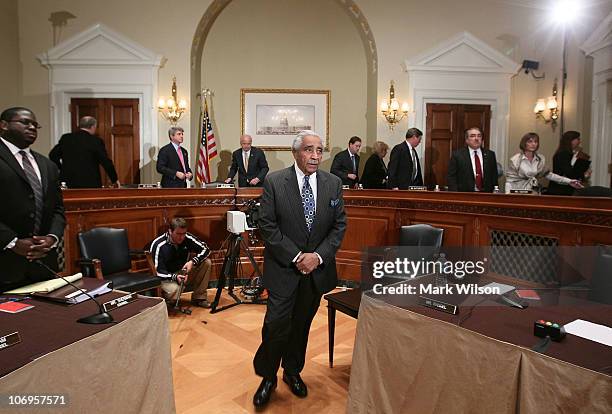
[{"x": 212, "y": 360}]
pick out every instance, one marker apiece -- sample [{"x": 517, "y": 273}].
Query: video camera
[{"x": 240, "y": 221}]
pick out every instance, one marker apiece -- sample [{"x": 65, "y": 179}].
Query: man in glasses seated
[{"x": 32, "y": 217}]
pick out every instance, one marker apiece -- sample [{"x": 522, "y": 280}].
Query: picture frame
[{"x": 272, "y": 117}]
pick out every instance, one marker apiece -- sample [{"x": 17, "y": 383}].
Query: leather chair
[
  {"x": 601, "y": 279},
  {"x": 106, "y": 255},
  {"x": 426, "y": 240}
]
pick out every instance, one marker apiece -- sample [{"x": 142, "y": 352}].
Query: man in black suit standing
[
  {"x": 32, "y": 217},
  {"x": 173, "y": 161},
  {"x": 250, "y": 163},
  {"x": 346, "y": 163},
  {"x": 302, "y": 223},
  {"x": 79, "y": 154},
  {"x": 472, "y": 168},
  {"x": 404, "y": 164}
]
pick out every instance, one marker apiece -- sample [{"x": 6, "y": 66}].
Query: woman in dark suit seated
[
  {"x": 375, "y": 171},
  {"x": 571, "y": 162},
  {"x": 526, "y": 167}
]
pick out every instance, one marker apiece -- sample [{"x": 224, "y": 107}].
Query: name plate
[
  {"x": 9, "y": 340},
  {"x": 225, "y": 185},
  {"x": 417, "y": 188},
  {"x": 119, "y": 302},
  {"x": 438, "y": 305},
  {"x": 346, "y": 187},
  {"x": 520, "y": 191},
  {"x": 147, "y": 186}
]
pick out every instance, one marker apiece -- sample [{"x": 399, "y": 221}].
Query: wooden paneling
[{"x": 374, "y": 218}]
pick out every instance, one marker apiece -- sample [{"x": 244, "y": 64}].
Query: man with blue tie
[
  {"x": 32, "y": 218},
  {"x": 346, "y": 163},
  {"x": 404, "y": 165},
  {"x": 302, "y": 223},
  {"x": 173, "y": 161}
]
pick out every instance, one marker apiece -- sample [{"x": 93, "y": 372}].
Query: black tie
[
  {"x": 36, "y": 187},
  {"x": 354, "y": 164}
]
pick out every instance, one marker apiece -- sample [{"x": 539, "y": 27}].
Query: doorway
[
  {"x": 445, "y": 127},
  {"x": 119, "y": 128}
]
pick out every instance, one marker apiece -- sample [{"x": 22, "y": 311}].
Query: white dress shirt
[
  {"x": 312, "y": 180},
  {"x": 479, "y": 152},
  {"x": 15, "y": 151}
]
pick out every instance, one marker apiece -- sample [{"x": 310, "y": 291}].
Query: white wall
[{"x": 401, "y": 29}]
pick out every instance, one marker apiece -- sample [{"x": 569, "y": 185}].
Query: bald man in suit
[{"x": 302, "y": 223}]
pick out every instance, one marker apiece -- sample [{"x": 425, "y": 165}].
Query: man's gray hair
[
  {"x": 173, "y": 130},
  {"x": 87, "y": 122},
  {"x": 297, "y": 141}
]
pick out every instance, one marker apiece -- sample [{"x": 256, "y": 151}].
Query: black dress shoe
[
  {"x": 263, "y": 393},
  {"x": 296, "y": 384}
]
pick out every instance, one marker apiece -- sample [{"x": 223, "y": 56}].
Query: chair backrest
[
  {"x": 601, "y": 279},
  {"x": 109, "y": 245},
  {"x": 427, "y": 238}
]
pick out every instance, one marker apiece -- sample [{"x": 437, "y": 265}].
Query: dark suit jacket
[
  {"x": 400, "y": 168},
  {"x": 258, "y": 167},
  {"x": 342, "y": 166},
  {"x": 168, "y": 163},
  {"x": 17, "y": 217},
  {"x": 562, "y": 165},
  {"x": 283, "y": 228},
  {"x": 374, "y": 173},
  {"x": 461, "y": 176},
  {"x": 78, "y": 155}
]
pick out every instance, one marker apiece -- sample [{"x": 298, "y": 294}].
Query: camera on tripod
[{"x": 241, "y": 221}]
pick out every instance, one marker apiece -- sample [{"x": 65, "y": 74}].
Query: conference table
[
  {"x": 409, "y": 358},
  {"x": 123, "y": 367}
]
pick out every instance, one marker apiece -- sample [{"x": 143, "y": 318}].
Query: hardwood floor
[{"x": 212, "y": 360}]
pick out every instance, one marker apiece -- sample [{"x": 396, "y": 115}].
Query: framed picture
[{"x": 273, "y": 117}]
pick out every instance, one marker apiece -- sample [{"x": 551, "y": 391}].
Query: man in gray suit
[{"x": 302, "y": 223}]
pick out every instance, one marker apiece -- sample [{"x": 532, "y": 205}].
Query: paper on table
[
  {"x": 591, "y": 331},
  {"x": 44, "y": 286}
]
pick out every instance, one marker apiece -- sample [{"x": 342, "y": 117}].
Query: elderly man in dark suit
[
  {"x": 346, "y": 163},
  {"x": 79, "y": 155},
  {"x": 404, "y": 164},
  {"x": 250, "y": 163},
  {"x": 302, "y": 223},
  {"x": 472, "y": 168},
  {"x": 32, "y": 217},
  {"x": 173, "y": 161}
]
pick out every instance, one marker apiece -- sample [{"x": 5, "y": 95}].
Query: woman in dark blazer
[
  {"x": 375, "y": 171},
  {"x": 569, "y": 161}
]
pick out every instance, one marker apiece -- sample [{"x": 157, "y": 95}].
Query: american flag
[{"x": 208, "y": 147}]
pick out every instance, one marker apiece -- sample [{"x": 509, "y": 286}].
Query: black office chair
[
  {"x": 601, "y": 279},
  {"x": 106, "y": 255},
  {"x": 425, "y": 239}
]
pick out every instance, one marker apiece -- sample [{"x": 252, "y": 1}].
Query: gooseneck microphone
[{"x": 96, "y": 318}]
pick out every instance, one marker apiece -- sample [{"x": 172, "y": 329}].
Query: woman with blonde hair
[
  {"x": 375, "y": 171},
  {"x": 526, "y": 167}
]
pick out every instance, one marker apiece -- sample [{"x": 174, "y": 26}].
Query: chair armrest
[
  {"x": 137, "y": 253},
  {"x": 91, "y": 264}
]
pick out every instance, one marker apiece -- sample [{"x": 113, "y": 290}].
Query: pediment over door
[
  {"x": 463, "y": 53},
  {"x": 99, "y": 45}
]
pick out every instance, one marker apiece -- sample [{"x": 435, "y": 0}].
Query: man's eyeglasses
[{"x": 27, "y": 122}]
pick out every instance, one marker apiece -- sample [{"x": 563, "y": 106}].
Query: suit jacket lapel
[
  {"x": 10, "y": 159},
  {"x": 295, "y": 198}
]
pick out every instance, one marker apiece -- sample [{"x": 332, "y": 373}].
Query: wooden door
[
  {"x": 119, "y": 128},
  {"x": 445, "y": 127}
]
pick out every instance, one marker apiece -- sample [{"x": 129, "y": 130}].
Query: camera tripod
[{"x": 232, "y": 268}]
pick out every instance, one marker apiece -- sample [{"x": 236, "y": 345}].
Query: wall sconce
[
  {"x": 551, "y": 104},
  {"x": 390, "y": 109},
  {"x": 172, "y": 109}
]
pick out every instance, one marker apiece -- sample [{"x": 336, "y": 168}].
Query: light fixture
[
  {"x": 566, "y": 11},
  {"x": 551, "y": 104},
  {"x": 172, "y": 109},
  {"x": 391, "y": 109}
]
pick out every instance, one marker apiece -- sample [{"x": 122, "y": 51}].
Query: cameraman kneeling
[{"x": 170, "y": 253}]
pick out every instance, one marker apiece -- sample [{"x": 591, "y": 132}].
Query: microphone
[{"x": 96, "y": 318}]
